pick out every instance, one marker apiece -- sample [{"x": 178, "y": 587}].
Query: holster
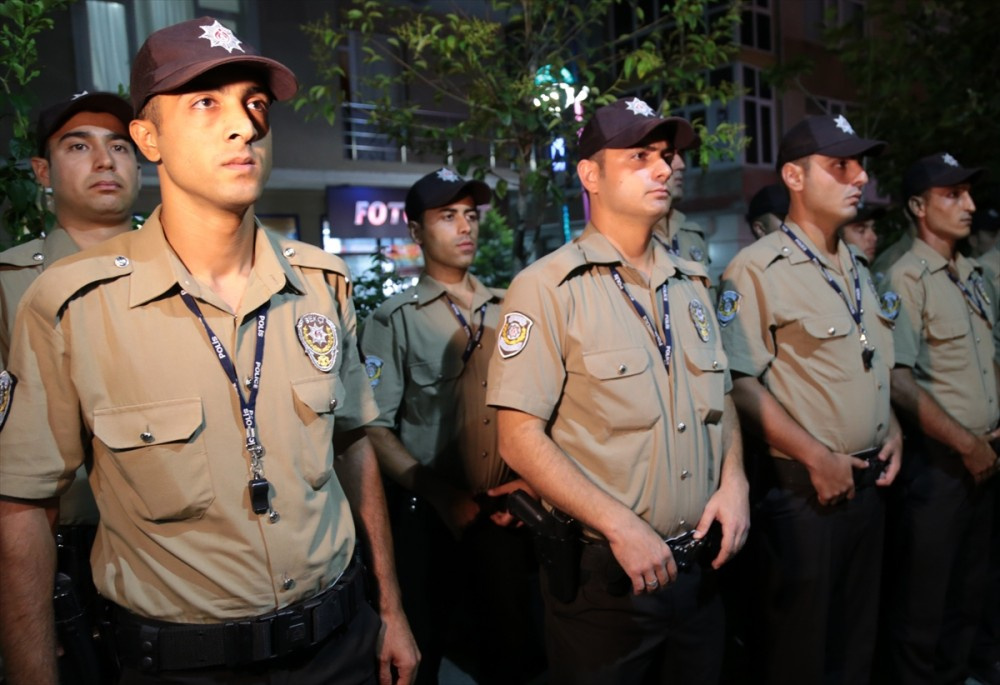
[{"x": 557, "y": 543}]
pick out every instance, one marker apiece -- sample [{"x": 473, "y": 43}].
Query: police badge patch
[
  {"x": 318, "y": 336},
  {"x": 7, "y": 383},
  {"x": 696, "y": 254},
  {"x": 700, "y": 319},
  {"x": 373, "y": 368},
  {"x": 729, "y": 306},
  {"x": 513, "y": 334},
  {"x": 889, "y": 304}
]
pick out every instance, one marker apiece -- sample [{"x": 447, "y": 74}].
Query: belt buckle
[{"x": 290, "y": 631}]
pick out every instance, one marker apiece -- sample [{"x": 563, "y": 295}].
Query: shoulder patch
[
  {"x": 373, "y": 369},
  {"x": 7, "y": 383},
  {"x": 889, "y": 304},
  {"x": 729, "y": 306},
  {"x": 513, "y": 335}
]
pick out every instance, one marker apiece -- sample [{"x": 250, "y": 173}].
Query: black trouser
[
  {"x": 674, "y": 635},
  {"x": 817, "y": 572},
  {"x": 345, "y": 658},
  {"x": 938, "y": 550},
  {"x": 986, "y": 650},
  {"x": 488, "y": 579}
]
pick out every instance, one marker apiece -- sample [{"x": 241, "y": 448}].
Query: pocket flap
[
  {"x": 608, "y": 364},
  {"x": 432, "y": 373},
  {"x": 322, "y": 394},
  {"x": 825, "y": 327},
  {"x": 156, "y": 423},
  {"x": 947, "y": 329},
  {"x": 707, "y": 359}
]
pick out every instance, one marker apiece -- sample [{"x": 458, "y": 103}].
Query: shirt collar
[
  {"x": 429, "y": 289},
  {"x": 595, "y": 248}
]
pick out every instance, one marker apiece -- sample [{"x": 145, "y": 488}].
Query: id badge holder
[{"x": 259, "y": 494}]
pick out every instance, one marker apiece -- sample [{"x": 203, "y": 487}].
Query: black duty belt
[
  {"x": 152, "y": 646},
  {"x": 793, "y": 475}
]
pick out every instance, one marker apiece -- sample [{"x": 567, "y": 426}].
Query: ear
[
  {"x": 416, "y": 231},
  {"x": 40, "y": 166},
  {"x": 757, "y": 229},
  {"x": 144, "y": 133},
  {"x": 588, "y": 171},
  {"x": 917, "y": 206},
  {"x": 793, "y": 175}
]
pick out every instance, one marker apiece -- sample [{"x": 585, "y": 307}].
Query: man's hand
[
  {"x": 980, "y": 460},
  {"x": 730, "y": 506},
  {"x": 643, "y": 555},
  {"x": 505, "y": 518},
  {"x": 397, "y": 650},
  {"x": 833, "y": 476},
  {"x": 456, "y": 508},
  {"x": 892, "y": 453}
]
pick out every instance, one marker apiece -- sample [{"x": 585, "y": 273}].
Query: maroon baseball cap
[
  {"x": 828, "y": 135},
  {"x": 628, "y": 122},
  {"x": 939, "y": 170},
  {"x": 175, "y": 55},
  {"x": 52, "y": 118},
  {"x": 439, "y": 189}
]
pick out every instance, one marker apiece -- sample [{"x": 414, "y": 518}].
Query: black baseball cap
[
  {"x": 828, "y": 135},
  {"x": 52, "y": 118},
  {"x": 173, "y": 56},
  {"x": 772, "y": 199},
  {"x": 628, "y": 122},
  {"x": 939, "y": 170},
  {"x": 439, "y": 189}
]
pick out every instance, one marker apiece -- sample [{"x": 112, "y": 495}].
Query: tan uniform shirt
[
  {"x": 944, "y": 337},
  {"x": 685, "y": 237},
  {"x": 19, "y": 267},
  {"x": 413, "y": 346},
  {"x": 573, "y": 351},
  {"x": 891, "y": 254},
  {"x": 783, "y": 323},
  {"x": 990, "y": 261},
  {"x": 105, "y": 347}
]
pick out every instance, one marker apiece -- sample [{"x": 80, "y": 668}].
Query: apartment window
[
  {"x": 108, "y": 33},
  {"x": 820, "y": 15},
  {"x": 821, "y": 106},
  {"x": 712, "y": 115},
  {"x": 756, "y": 25},
  {"x": 758, "y": 117}
]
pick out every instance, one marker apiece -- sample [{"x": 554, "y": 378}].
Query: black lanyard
[
  {"x": 969, "y": 295},
  {"x": 470, "y": 346},
  {"x": 664, "y": 343},
  {"x": 855, "y": 309},
  {"x": 248, "y": 405}
]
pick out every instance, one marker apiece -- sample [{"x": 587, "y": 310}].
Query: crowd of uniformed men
[{"x": 195, "y": 402}]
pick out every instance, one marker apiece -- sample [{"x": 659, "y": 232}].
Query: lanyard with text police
[
  {"x": 258, "y": 485},
  {"x": 866, "y": 352},
  {"x": 665, "y": 343},
  {"x": 473, "y": 339}
]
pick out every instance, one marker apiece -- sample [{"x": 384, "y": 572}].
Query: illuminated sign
[{"x": 366, "y": 212}]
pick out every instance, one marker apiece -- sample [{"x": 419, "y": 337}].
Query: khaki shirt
[
  {"x": 784, "y": 324},
  {"x": 104, "y": 347},
  {"x": 685, "y": 237},
  {"x": 589, "y": 367},
  {"x": 19, "y": 267},
  {"x": 891, "y": 254},
  {"x": 990, "y": 261},
  {"x": 413, "y": 346},
  {"x": 944, "y": 338}
]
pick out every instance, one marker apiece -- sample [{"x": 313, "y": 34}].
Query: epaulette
[
  {"x": 385, "y": 310},
  {"x": 693, "y": 227},
  {"x": 59, "y": 283},
  {"x": 910, "y": 266},
  {"x": 562, "y": 263},
  {"x": 764, "y": 252},
  {"x": 498, "y": 293},
  {"x": 24, "y": 255},
  {"x": 309, "y": 256},
  {"x": 691, "y": 268}
]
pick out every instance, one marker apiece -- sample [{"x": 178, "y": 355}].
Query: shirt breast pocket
[
  {"x": 623, "y": 391},
  {"x": 158, "y": 450},
  {"x": 708, "y": 385},
  {"x": 316, "y": 402},
  {"x": 946, "y": 339},
  {"x": 433, "y": 383},
  {"x": 825, "y": 345}
]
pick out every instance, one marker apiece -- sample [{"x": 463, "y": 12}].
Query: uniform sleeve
[
  {"x": 361, "y": 408},
  {"x": 40, "y": 440},
  {"x": 384, "y": 364},
  {"x": 907, "y": 333},
  {"x": 745, "y": 319},
  {"x": 527, "y": 370}
]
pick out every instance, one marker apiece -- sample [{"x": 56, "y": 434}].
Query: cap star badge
[
  {"x": 843, "y": 124},
  {"x": 448, "y": 175},
  {"x": 318, "y": 336},
  {"x": 513, "y": 334},
  {"x": 729, "y": 307},
  {"x": 7, "y": 383},
  {"x": 949, "y": 160},
  {"x": 221, "y": 37},
  {"x": 640, "y": 108}
]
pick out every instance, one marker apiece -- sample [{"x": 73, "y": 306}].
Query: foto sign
[{"x": 366, "y": 212}]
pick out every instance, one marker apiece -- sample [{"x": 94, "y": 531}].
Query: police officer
[
  {"x": 611, "y": 386},
  {"x": 860, "y": 233},
  {"x": 811, "y": 352},
  {"x": 767, "y": 210},
  {"x": 229, "y": 478},
  {"x": 427, "y": 351},
  {"x": 944, "y": 386},
  {"x": 683, "y": 237}
]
